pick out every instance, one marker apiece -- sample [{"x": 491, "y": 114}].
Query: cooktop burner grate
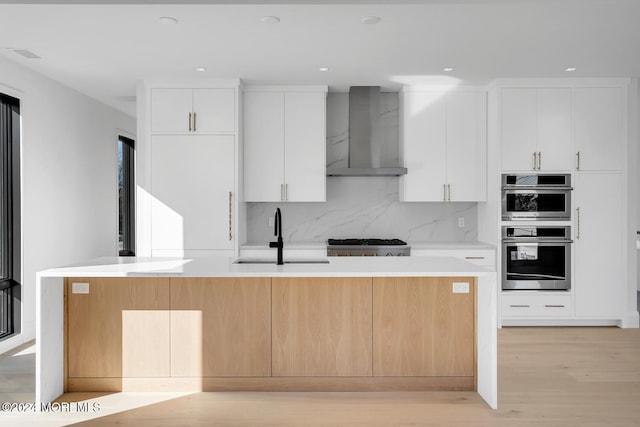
[{"x": 366, "y": 242}]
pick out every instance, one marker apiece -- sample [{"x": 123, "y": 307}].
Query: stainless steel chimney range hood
[{"x": 365, "y": 141}]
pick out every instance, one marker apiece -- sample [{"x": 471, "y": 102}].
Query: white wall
[{"x": 69, "y": 178}]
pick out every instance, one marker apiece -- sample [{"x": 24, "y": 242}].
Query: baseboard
[
  {"x": 562, "y": 322},
  {"x": 272, "y": 384}
]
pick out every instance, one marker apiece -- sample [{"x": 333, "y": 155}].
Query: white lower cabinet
[
  {"x": 536, "y": 304},
  {"x": 192, "y": 184},
  {"x": 480, "y": 257},
  {"x": 598, "y": 241}
]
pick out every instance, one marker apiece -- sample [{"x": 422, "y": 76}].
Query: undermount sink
[{"x": 272, "y": 261}]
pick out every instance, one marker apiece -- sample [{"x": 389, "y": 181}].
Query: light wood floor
[{"x": 547, "y": 377}]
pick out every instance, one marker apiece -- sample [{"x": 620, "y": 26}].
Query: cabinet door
[
  {"x": 424, "y": 146},
  {"x": 305, "y": 147},
  {"x": 599, "y": 289},
  {"x": 215, "y": 110},
  {"x": 120, "y": 328},
  {"x": 518, "y": 112},
  {"x": 554, "y": 129},
  {"x": 170, "y": 110},
  {"x": 466, "y": 147},
  {"x": 321, "y": 326},
  {"x": 192, "y": 181},
  {"x": 220, "y": 327},
  {"x": 422, "y": 328},
  {"x": 263, "y": 146},
  {"x": 599, "y": 128}
]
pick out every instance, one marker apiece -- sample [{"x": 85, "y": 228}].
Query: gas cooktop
[
  {"x": 367, "y": 242},
  {"x": 367, "y": 247}
]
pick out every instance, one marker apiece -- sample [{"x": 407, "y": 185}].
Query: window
[
  {"x": 126, "y": 196},
  {"x": 9, "y": 215}
]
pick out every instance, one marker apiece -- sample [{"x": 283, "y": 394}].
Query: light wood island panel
[
  {"x": 119, "y": 329},
  {"x": 422, "y": 328},
  {"x": 220, "y": 327},
  {"x": 270, "y": 334},
  {"x": 321, "y": 326}
]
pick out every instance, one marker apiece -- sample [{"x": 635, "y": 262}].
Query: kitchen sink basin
[{"x": 272, "y": 261}]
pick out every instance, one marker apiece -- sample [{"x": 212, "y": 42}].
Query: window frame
[
  {"x": 126, "y": 195},
  {"x": 10, "y": 218}
]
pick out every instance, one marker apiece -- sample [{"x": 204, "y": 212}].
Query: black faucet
[{"x": 278, "y": 232}]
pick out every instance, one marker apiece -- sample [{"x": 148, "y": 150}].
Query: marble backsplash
[{"x": 363, "y": 207}]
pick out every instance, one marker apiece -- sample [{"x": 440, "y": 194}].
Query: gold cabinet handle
[
  {"x": 554, "y": 305},
  {"x": 578, "y": 161},
  {"x": 189, "y": 122},
  {"x": 230, "y": 216},
  {"x": 444, "y": 192},
  {"x": 194, "y": 121},
  {"x": 286, "y": 192},
  {"x": 520, "y": 305},
  {"x": 535, "y": 163},
  {"x": 539, "y": 160},
  {"x": 282, "y": 192},
  {"x": 448, "y": 192},
  {"x": 474, "y": 257},
  {"x": 578, "y": 223}
]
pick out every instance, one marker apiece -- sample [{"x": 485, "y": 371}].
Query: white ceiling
[{"x": 103, "y": 48}]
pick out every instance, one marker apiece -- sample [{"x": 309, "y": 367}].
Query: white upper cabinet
[
  {"x": 285, "y": 144},
  {"x": 305, "y": 166},
  {"x": 536, "y": 129},
  {"x": 201, "y": 110},
  {"x": 599, "y": 127},
  {"x": 443, "y": 145},
  {"x": 263, "y": 146}
]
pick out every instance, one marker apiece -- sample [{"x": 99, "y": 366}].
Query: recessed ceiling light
[
  {"x": 370, "y": 20},
  {"x": 324, "y": 68},
  {"x": 200, "y": 69},
  {"x": 571, "y": 69},
  {"x": 168, "y": 20},
  {"x": 270, "y": 19},
  {"x": 448, "y": 69}
]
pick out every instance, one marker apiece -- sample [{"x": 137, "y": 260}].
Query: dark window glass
[
  {"x": 9, "y": 215},
  {"x": 126, "y": 196}
]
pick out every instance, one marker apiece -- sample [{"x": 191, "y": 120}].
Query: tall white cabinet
[
  {"x": 443, "y": 145},
  {"x": 579, "y": 127},
  {"x": 285, "y": 144},
  {"x": 188, "y": 166},
  {"x": 193, "y": 187},
  {"x": 598, "y": 241}
]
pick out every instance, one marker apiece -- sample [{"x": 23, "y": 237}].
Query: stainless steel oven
[
  {"x": 540, "y": 197},
  {"x": 536, "y": 258}
]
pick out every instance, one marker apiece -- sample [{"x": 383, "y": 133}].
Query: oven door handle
[
  {"x": 535, "y": 187},
  {"x": 535, "y": 243}
]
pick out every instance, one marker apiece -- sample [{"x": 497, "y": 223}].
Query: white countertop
[
  {"x": 451, "y": 245},
  {"x": 225, "y": 267},
  {"x": 414, "y": 245}
]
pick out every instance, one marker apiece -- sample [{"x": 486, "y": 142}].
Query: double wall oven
[{"x": 535, "y": 254}]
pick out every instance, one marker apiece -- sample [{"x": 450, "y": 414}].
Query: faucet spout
[{"x": 277, "y": 231}]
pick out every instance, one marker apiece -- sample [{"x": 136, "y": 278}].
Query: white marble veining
[{"x": 363, "y": 206}]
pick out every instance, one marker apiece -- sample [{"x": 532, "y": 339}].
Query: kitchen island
[{"x": 352, "y": 324}]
